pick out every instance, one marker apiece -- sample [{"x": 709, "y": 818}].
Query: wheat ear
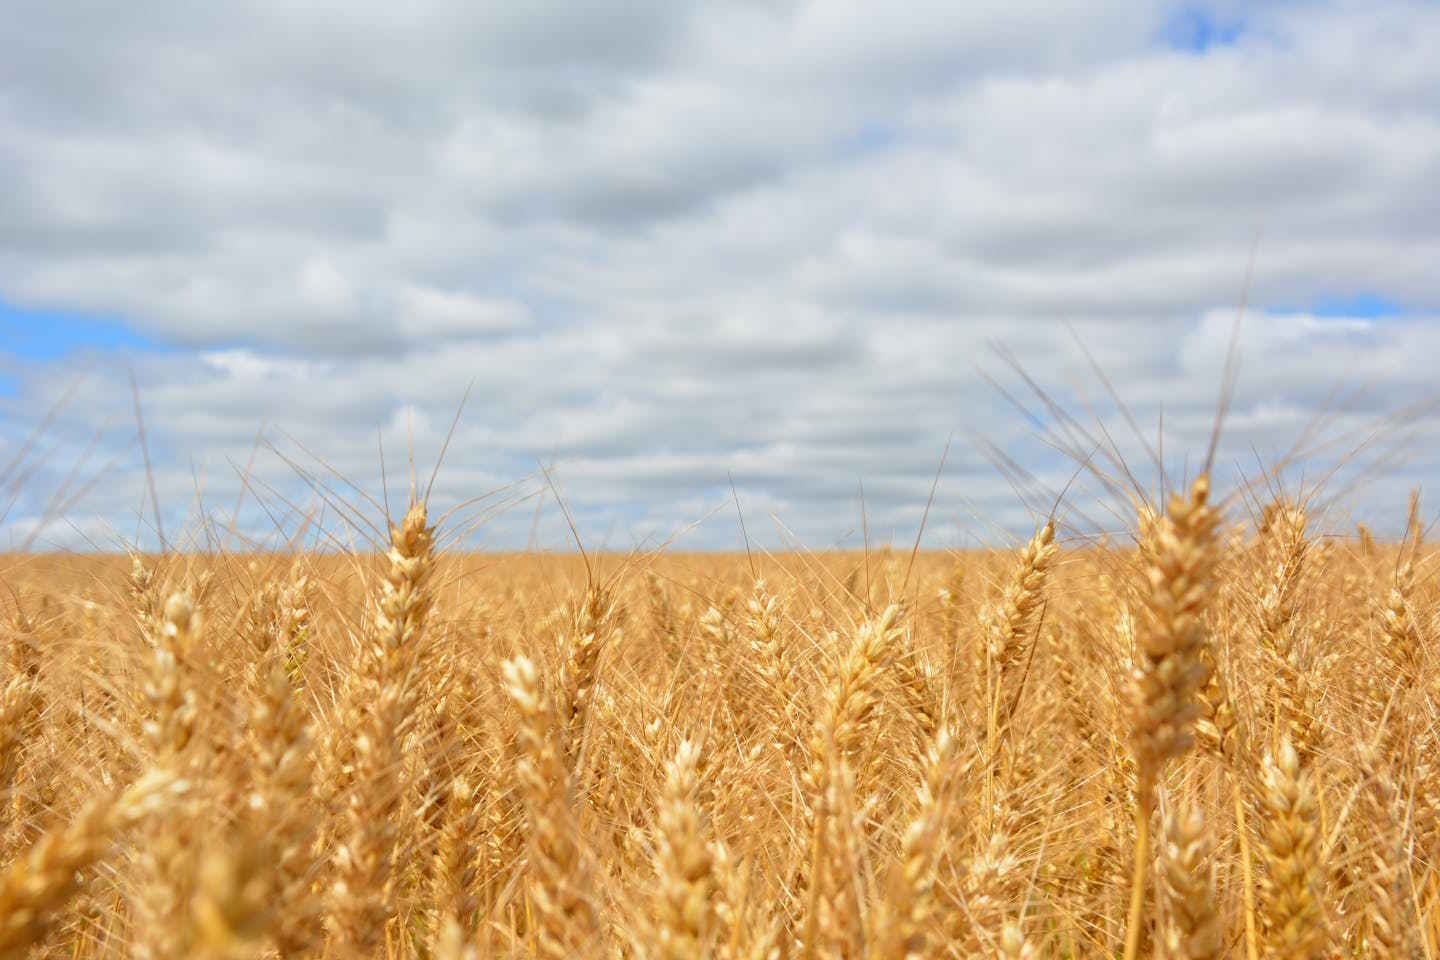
[
  {"x": 684, "y": 862},
  {"x": 167, "y": 858},
  {"x": 284, "y": 822},
  {"x": 1294, "y": 925},
  {"x": 566, "y": 925},
  {"x": 850, "y": 700},
  {"x": 1188, "y": 880},
  {"x": 1179, "y": 555},
  {"x": 390, "y": 676}
]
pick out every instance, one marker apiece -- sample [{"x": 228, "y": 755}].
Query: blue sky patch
[
  {"x": 50, "y": 334},
  {"x": 1362, "y": 305},
  {"x": 1367, "y": 305},
  {"x": 1197, "y": 30},
  {"x": 871, "y": 137}
]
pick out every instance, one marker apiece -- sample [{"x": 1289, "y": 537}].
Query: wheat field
[{"x": 1211, "y": 736}]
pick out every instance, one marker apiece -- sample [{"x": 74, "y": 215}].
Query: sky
[{"x": 682, "y": 257}]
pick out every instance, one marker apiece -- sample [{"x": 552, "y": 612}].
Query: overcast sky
[{"x": 672, "y": 242}]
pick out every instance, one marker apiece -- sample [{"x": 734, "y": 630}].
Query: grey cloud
[
  {"x": 668, "y": 243},
  {"x": 375, "y": 58}
]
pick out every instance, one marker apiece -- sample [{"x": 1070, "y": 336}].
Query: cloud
[{"x": 668, "y": 243}]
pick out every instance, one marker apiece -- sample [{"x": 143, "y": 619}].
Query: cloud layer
[{"x": 672, "y": 243}]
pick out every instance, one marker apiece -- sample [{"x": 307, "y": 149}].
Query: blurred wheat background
[{"x": 1215, "y": 738}]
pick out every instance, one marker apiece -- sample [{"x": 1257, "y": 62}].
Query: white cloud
[
  {"x": 425, "y": 311},
  {"x": 252, "y": 367},
  {"x": 323, "y": 289}
]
